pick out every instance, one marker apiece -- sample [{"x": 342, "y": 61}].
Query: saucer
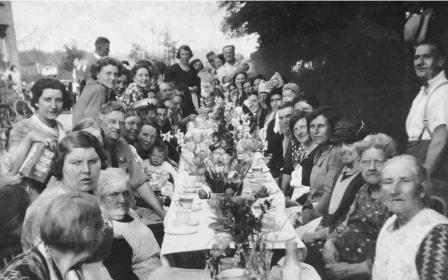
[
  {"x": 181, "y": 230},
  {"x": 192, "y": 223}
]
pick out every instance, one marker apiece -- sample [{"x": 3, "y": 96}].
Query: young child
[{"x": 159, "y": 171}]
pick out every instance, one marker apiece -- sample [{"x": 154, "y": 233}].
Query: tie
[{"x": 113, "y": 156}]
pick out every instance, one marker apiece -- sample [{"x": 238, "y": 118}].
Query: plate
[
  {"x": 181, "y": 230},
  {"x": 192, "y": 223}
]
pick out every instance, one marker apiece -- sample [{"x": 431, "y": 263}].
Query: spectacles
[{"x": 376, "y": 162}]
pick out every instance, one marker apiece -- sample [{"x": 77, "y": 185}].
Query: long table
[{"x": 204, "y": 238}]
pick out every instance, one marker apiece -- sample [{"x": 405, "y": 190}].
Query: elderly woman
[
  {"x": 182, "y": 73},
  {"x": 98, "y": 90},
  {"x": 327, "y": 163},
  {"x": 349, "y": 250},
  {"x": 49, "y": 98},
  {"x": 300, "y": 153},
  {"x": 137, "y": 90},
  {"x": 135, "y": 252},
  {"x": 413, "y": 243},
  {"x": 71, "y": 232}
]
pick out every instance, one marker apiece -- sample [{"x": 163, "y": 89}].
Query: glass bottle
[{"x": 292, "y": 269}]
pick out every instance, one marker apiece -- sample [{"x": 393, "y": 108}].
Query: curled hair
[
  {"x": 73, "y": 223},
  {"x": 246, "y": 77},
  {"x": 275, "y": 91},
  {"x": 329, "y": 113},
  {"x": 76, "y": 139},
  {"x": 296, "y": 116},
  {"x": 153, "y": 123},
  {"x": 377, "y": 141},
  {"x": 108, "y": 177},
  {"x": 139, "y": 66},
  {"x": 194, "y": 61},
  {"x": 102, "y": 62},
  {"x": 185, "y": 48},
  {"x": 50, "y": 83},
  {"x": 419, "y": 174}
]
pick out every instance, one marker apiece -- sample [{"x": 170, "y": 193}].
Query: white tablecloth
[{"x": 204, "y": 237}]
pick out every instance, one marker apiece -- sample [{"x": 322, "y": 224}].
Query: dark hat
[{"x": 348, "y": 130}]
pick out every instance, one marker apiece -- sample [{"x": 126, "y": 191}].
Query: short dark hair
[
  {"x": 104, "y": 61},
  {"x": 210, "y": 55},
  {"x": 296, "y": 116},
  {"x": 330, "y": 113},
  {"x": 312, "y": 100},
  {"x": 138, "y": 66},
  {"x": 125, "y": 72},
  {"x": 194, "y": 61},
  {"x": 76, "y": 139},
  {"x": 436, "y": 44},
  {"x": 112, "y": 106},
  {"x": 45, "y": 83},
  {"x": 100, "y": 42},
  {"x": 275, "y": 91},
  {"x": 185, "y": 48},
  {"x": 160, "y": 105},
  {"x": 131, "y": 113},
  {"x": 228, "y": 46},
  {"x": 159, "y": 145},
  {"x": 73, "y": 223}
]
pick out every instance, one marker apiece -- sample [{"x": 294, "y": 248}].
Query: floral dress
[
  {"x": 132, "y": 94},
  {"x": 356, "y": 237}
]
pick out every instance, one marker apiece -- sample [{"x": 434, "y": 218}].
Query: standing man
[
  {"x": 426, "y": 124},
  {"x": 231, "y": 66},
  {"x": 102, "y": 49}
]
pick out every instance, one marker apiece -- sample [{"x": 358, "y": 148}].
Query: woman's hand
[
  {"x": 35, "y": 137},
  {"x": 330, "y": 253},
  {"x": 7, "y": 180},
  {"x": 191, "y": 118}
]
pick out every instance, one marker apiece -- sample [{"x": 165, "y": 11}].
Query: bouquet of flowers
[
  {"x": 234, "y": 216},
  {"x": 224, "y": 171}
]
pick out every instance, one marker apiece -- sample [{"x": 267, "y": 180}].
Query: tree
[
  {"x": 71, "y": 53},
  {"x": 169, "y": 47},
  {"x": 138, "y": 52}
]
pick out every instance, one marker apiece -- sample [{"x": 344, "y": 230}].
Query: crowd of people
[{"x": 369, "y": 213}]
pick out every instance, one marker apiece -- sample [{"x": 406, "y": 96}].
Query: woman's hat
[{"x": 348, "y": 130}]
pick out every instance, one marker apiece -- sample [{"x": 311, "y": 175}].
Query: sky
[{"x": 48, "y": 25}]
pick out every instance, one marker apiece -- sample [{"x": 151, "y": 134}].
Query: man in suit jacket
[{"x": 102, "y": 49}]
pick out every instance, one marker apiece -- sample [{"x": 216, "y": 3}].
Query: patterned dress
[
  {"x": 356, "y": 237},
  {"x": 132, "y": 94}
]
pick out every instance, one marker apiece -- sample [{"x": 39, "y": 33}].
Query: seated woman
[
  {"x": 413, "y": 243},
  {"x": 348, "y": 182},
  {"x": 300, "y": 155},
  {"x": 49, "y": 98},
  {"x": 349, "y": 250},
  {"x": 71, "y": 232},
  {"x": 135, "y": 252},
  {"x": 137, "y": 90}
]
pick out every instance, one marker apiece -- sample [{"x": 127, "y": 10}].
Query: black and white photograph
[{"x": 223, "y": 140}]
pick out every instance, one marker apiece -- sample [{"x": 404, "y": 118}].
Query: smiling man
[
  {"x": 98, "y": 90},
  {"x": 119, "y": 154},
  {"x": 426, "y": 124}
]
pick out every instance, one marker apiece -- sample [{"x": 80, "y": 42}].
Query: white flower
[{"x": 167, "y": 136}]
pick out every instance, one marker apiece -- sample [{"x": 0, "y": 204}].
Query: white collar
[
  {"x": 97, "y": 56},
  {"x": 437, "y": 79}
]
